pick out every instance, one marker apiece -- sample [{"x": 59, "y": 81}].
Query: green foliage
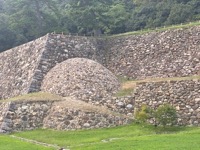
[
  {"x": 179, "y": 13},
  {"x": 163, "y": 115},
  {"x": 166, "y": 115},
  {"x": 143, "y": 114},
  {"x": 25, "y": 20}
]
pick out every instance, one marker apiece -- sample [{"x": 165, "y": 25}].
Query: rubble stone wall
[
  {"x": 28, "y": 115},
  {"x": 66, "y": 118},
  {"x": 23, "y": 68},
  {"x": 183, "y": 95},
  {"x": 18, "y": 66},
  {"x": 24, "y": 115},
  {"x": 123, "y": 105},
  {"x": 60, "y": 48},
  {"x": 170, "y": 53},
  {"x": 4, "y": 107}
]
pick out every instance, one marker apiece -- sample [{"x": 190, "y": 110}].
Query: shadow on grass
[{"x": 166, "y": 129}]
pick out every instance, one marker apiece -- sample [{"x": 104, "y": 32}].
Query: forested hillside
[{"x": 25, "y": 20}]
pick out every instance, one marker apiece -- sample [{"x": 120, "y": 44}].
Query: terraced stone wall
[
  {"x": 170, "y": 53},
  {"x": 66, "y": 118},
  {"x": 4, "y": 107},
  {"x": 62, "y": 47},
  {"x": 23, "y": 68},
  {"x": 183, "y": 95},
  {"x": 18, "y": 67},
  {"x": 28, "y": 115},
  {"x": 23, "y": 115},
  {"x": 123, "y": 105}
]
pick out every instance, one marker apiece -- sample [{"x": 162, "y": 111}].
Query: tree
[
  {"x": 32, "y": 18},
  {"x": 1, "y": 6},
  {"x": 7, "y": 36},
  {"x": 89, "y": 15},
  {"x": 180, "y": 13},
  {"x": 195, "y": 4},
  {"x": 117, "y": 16}
]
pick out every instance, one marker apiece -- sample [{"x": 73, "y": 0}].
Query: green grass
[
  {"x": 186, "y": 141},
  {"x": 134, "y": 136},
  {"x": 38, "y": 96},
  {"x": 8, "y": 143},
  {"x": 124, "y": 92},
  {"x": 178, "y": 26}
]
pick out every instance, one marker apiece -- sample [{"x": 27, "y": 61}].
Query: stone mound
[{"x": 83, "y": 78}]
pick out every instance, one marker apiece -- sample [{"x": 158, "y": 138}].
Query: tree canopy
[{"x": 24, "y": 20}]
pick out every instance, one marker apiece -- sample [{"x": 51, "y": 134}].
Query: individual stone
[
  {"x": 197, "y": 99},
  {"x": 120, "y": 104},
  {"x": 129, "y": 106},
  {"x": 86, "y": 125}
]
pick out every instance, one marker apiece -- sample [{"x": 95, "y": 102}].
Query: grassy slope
[
  {"x": 121, "y": 138},
  {"x": 186, "y": 25}
]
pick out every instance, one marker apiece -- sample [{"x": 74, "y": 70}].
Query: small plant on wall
[{"x": 143, "y": 114}]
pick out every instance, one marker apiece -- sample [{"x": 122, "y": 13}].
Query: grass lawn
[
  {"x": 180, "y": 141},
  {"x": 120, "y": 138},
  {"x": 9, "y": 143}
]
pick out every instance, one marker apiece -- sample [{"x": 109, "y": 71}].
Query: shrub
[
  {"x": 166, "y": 115},
  {"x": 143, "y": 114}
]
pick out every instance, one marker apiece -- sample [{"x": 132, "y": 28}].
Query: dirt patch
[{"x": 132, "y": 84}]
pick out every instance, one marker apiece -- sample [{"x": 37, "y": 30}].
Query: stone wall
[
  {"x": 24, "y": 67},
  {"x": 28, "y": 115},
  {"x": 170, "y": 53},
  {"x": 18, "y": 66},
  {"x": 4, "y": 107},
  {"x": 61, "y": 47},
  {"x": 183, "y": 95},
  {"x": 62, "y": 117},
  {"x": 157, "y": 54},
  {"x": 123, "y": 105},
  {"x": 20, "y": 116}
]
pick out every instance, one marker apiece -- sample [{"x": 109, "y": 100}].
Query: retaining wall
[
  {"x": 123, "y": 105},
  {"x": 23, "y": 115},
  {"x": 170, "y": 53},
  {"x": 65, "y": 118},
  {"x": 24, "y": 67},
  {"x": 183, "y": 95},
  {"x": 28, "y": 115},
  {"x": 18, "y": 66}
]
